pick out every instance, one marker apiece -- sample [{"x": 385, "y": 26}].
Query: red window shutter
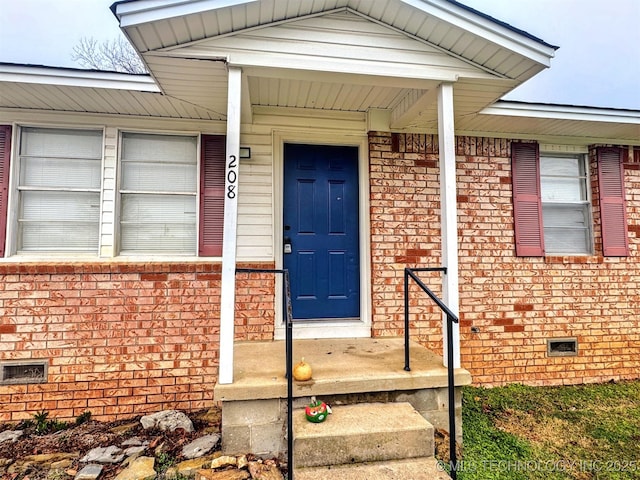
[
  {"x": 212, "y": 171},
  {"x": 613, "y": 208},
  {"x": 5, "y": 155},
  {"x": 527, "y": 203}
]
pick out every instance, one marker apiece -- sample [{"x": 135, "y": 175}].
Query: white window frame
[
  {"x": 15, "y": 197},
  {"x": 586, "y": 202},
  {"x": 119, "y": 194}
]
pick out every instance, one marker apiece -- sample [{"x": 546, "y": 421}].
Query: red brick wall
[
  {"x": 121, "y": 339},
  {"x": 516, "y": 303},
  {"x": 405, "y": 231}
]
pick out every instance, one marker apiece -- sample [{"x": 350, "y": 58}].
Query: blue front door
[{"x": 321, "y": 244}]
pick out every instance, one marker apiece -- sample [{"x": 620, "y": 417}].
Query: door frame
[{"x": 324, "y": 328}]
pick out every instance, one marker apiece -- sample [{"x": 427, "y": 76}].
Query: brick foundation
[{"x": 121, "y": 339}]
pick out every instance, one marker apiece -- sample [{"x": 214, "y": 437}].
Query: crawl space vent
[
  {"x": 27, "y": 372},
  {"x": 562, "y": 347}
]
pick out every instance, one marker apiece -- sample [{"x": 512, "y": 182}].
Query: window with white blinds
[
  {"x": 158, "y": 187},
  {"x": 566, "y": 208},
  {"x": 59, "y": 190}
]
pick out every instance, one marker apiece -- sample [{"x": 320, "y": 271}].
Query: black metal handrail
[
  {"x": 451, "y": 318},
  {"x": 287, "y": 315}
]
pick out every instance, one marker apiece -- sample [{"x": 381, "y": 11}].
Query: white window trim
[
  {"x": 571, "y": 151},
  {"x": 115, "y": 231},
  {"x": 108, "y": 227},
  {"x": 13, "y": 199}
]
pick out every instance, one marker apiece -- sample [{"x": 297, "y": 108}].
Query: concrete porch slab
[{"x": 340, "y": 366}]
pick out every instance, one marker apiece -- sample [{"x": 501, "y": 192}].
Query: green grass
[{"x": 585, "y": 432}]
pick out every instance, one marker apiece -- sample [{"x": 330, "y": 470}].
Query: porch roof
[{"x": 387, "y": 54}]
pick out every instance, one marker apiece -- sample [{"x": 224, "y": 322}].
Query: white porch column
[
  {"x": 448, "y": 214},
  {"x": 228, "y": 287}
]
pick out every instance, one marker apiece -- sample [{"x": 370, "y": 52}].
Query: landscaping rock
[
  {"x": 223, "y": 461},
  {"x": 130, "y": 459},
  {"x": 222, "y": 475},
  {"x": 261, "y": 471},
  {"x": 242, "y": 462},
  {"x": 188, "y": 468},
  {"x": 49, "y": 458},
  {"x": 134, "y": 450},
  {"x": 10, "y": 435},
  {"x": 89, "y": 472},
  {"x": 140, "y": 469},
  {"x": 201, "y": 446},
  {"x": 61, "y": 464},
  {"x": 170, "y": 420},
  {"x": 110, "y": 454}
]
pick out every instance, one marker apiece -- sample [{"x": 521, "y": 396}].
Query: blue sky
[{"x": 598, "y": 63}]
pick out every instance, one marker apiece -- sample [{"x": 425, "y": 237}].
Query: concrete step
[
  {"x": 425, "y": 468},
  {"x": 364, "y": 432}
]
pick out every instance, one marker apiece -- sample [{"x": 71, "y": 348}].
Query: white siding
[
  {"x": 109, "y": 173},
  {"x": 255, "y": 202},
  {"x": 337, "y": 42},
  {"x": 256, "y": 211}
]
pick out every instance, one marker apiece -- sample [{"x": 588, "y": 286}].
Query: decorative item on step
[
  {"x": 302, "y": 371},
  {"x": 317, "y": 411}
]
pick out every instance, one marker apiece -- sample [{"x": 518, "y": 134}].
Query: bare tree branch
[{"x": 115, "y": 55}]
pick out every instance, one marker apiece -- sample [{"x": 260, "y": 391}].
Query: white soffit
[
  {"x": 543, "y": 121},
  {"x": 198, "y": 82},
  {"x": 68, "y": 90}
]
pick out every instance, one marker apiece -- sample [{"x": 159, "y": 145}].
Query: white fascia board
[
  {"x": 145, "y": 11},
  {"x": 77, "y": 78},
  {"x": 563, "y": 112},
  {"x": 487, "y": 29}
]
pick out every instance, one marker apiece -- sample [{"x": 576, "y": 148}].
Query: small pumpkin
[
  {"x": 302, "y": 371},
  {"x": 317, "y": 411}
]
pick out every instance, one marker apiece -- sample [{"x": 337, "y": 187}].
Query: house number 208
[{"x": 232, "y": 177}]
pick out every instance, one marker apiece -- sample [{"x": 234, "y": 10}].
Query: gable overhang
[
  {"x": 182, "y": 21},
  {"x": 147, "y": 11},
  {"x": 172, "y": 34}
]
